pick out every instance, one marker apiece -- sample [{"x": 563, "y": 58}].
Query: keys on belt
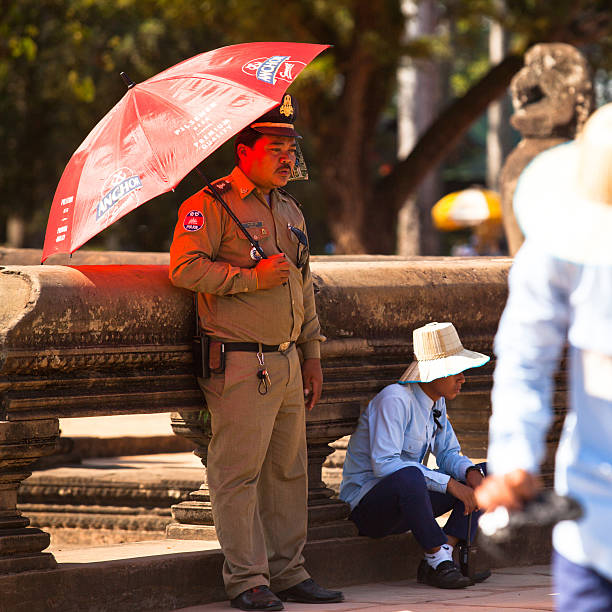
[
  {"x": 263, "y": 375},
  {"x": 259, "y": 349}
]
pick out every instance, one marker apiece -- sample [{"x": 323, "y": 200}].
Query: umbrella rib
[
  {"x": 213, "y": 80},
  {"x": 207, "y": 77},
  {"x": 159, "y": 163},
  {"x": 179, "y": 110}
]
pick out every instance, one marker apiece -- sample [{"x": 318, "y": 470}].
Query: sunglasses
[{"x": 302, "y": 254}]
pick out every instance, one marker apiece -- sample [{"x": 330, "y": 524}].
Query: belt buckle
[{"x": 283, "y": 346}]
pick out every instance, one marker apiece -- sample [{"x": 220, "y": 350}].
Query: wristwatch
[{"x": 474, "y": 467}]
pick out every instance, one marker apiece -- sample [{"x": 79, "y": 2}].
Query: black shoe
[
  {"x": 445, "y": 576},
  {"x": 257, "y": 598},
  {"x": 310, "y": 592},
  {"x": 481, "y": 576}
]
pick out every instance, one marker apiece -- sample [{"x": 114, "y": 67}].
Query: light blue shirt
[
  {"x": 553, "y": 301},
  {"x": 395, "y": 431}
]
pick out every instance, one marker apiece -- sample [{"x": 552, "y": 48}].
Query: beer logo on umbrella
[
  {"x": 119, "y": 189},
  {"x": 270, "y": 69}
]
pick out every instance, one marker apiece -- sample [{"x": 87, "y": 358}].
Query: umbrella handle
[{"x": 230, "y": 212}]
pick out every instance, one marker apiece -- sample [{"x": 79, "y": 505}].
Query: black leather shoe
[
  {"x": 445, "y": 576},
  {"x": 310, "y": 592},
  {"x": 481, "y": 576},
  {"x": 257, "y": 598}
]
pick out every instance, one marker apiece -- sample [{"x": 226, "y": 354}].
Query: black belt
[{"x": 253, "y": 347}]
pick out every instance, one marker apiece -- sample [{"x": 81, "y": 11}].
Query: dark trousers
[
  {"x": 401, "y": 502},
  {"x": 580, "y": 589}
]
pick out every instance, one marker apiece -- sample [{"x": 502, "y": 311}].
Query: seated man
[{"x": 385, "y": 482}]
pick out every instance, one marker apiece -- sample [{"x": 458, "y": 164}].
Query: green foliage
[
  {"x": 60, "y": 59},
  {"x": 59, "y": 65}
]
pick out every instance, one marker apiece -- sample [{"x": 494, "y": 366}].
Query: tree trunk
[
  {"x": 498, "y": 113},
  {"x": 15, "y": 231},
  {"x": 417, "y": 102},
  {"x": 435, "y": 144},
  {"x": 344, "y": 178}
]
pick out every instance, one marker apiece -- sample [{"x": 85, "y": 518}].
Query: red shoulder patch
[{"x": 193, "y": 221}]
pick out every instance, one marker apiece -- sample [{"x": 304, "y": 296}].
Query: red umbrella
[{"x": 162, "y": 128}]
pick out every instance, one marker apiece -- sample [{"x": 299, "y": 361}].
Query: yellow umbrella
[{"x": 466, "y": 208}]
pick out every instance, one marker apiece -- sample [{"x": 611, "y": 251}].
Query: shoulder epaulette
[
  {"x": 222, "y": 186},
  {"x": 288, "y": 195}
]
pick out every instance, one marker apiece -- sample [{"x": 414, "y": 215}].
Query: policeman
[{"x": 256, "y": 312}]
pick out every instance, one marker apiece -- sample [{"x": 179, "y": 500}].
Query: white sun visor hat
[{"x": 439, "y": 353}]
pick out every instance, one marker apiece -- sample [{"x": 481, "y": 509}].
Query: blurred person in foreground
[
  {"x": 386, "y": 480},
  {"x": 561, "y": 292}
]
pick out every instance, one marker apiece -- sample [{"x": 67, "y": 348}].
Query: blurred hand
[
  {"x": 312, "y": 379},
  {"x": 511, "y": 490},
  {"x": 272, "y": 272},
  {"x": 463, "y": 493}
]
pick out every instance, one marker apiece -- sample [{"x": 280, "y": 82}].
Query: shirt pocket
[
  {"x": 260, "y": 232},
  {"x": 298, "y": 251},
  {"x": 413, "y": 448}
]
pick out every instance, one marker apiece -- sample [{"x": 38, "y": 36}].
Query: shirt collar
[
  {"x": 242, "y": 182},
  {"x": 245, "y": 186},
  {"x": 422, "y": 397}
]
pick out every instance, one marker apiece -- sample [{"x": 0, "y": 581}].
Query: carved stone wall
[
  {"x": 552, "y": 98},
  {"x": 82, "y": 257},
  {"x": 94, "y": 340},
  {"x": 103, "y": 340}
]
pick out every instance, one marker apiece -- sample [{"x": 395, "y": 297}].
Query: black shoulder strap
[
  {"x": 288, "y": 195},
  {"x": 221, "y": 185},
  {"x": 214, "y": 191}
]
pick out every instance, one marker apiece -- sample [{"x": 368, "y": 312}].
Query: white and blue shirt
[
  {"x": 395, "y": 431},
  {"x": 551, "y": 302}
]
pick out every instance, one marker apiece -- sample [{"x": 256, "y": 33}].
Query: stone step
[
  {"x": 169, "y": 574},
  {"x": 117, "y": 499},
  {"x": 97, "y": 517}
]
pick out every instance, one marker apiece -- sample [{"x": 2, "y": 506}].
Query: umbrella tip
[{"x": 127, "y": 80}]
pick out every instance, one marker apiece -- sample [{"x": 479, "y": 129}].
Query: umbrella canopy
[
  {"x": 466, "y": 208},
  {"x": 162, "y": 128}
]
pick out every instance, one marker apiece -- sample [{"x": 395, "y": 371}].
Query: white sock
[{"x": 444, "y": 554}]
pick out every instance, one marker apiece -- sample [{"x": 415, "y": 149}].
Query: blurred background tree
[{"x": 59, "y": 65}]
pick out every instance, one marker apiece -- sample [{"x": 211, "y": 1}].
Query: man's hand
[
  {"x": 312, "y": 379},
  {"x": 272, "y": 272},
  {"x": 511, "y": 490},
  {"x": 463, "y": 493},
  {"x": 473, "y": 478}
]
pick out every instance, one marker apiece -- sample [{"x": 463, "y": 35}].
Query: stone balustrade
[{"x": 102, "y": 340}]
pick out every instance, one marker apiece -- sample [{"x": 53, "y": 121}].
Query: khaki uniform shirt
[{"x": 210, "y": 255}]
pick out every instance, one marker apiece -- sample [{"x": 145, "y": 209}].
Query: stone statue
[{"x": 552, "y": 97}]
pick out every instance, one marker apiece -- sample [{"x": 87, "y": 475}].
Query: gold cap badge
[{"x": 286, "y": 107}]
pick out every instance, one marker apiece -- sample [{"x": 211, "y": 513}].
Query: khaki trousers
[{"x": 257, "y": 471}]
